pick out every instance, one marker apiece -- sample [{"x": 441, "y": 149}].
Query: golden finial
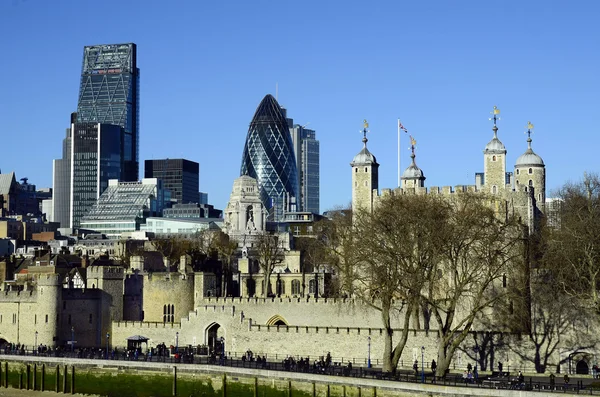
[
  {"x": 365, "y": 123},
  {"x": 413, "y": 142},
  {"x": 529, "y": 125},
  {"x": 496, "y": 111}
]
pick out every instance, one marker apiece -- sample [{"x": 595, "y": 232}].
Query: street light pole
[
  {"x": 107, "y": 338},
  {"x": 35, "y": 347},
  {"x": 176, "y": 341},
  {"x": 72, "y": 338},
  {"x": 422, "y": 364},
  {"x": 369, "y": 352}
]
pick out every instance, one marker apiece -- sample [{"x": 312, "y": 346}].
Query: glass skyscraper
[
  {"x": 306, "y": 149},
  {"x": 180, "y": 176},
  {"x": 269, "y": 158},
  {"x": 95, "y": 158},
  {"x": 109, "y": 93}
]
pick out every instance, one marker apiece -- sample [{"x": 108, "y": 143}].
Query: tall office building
[
  {"x": 61, "y": 182},
  {"x": 269, "y": 158},
  {"x": 180, "y": 176},
  {"x": 109, "y": 94},
  {"x": 95, "y": 158},
  {"x": 306, "y": 151}
]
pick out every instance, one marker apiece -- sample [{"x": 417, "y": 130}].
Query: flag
[{"x": 400, "y": 126}]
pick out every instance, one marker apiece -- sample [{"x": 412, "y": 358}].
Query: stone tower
[
  {"x": 365, "y": 176},
  {"x": 413, "y": 176},
  {"x": 530, "y": 172},
  {"x": 245, "y": 213},
  {"x": 49, "y": 291},
  {"x": 494, "y": 179}
]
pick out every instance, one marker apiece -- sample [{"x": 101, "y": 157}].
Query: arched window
[
  {"x": 493, "y": 158},
  {"x": 280, "y": 287},
  {"x": 494, "y": 189},
  {"x": 356, "y": 169},
  {"x": 517, "y": 171},
  {"x": 531, "y": 170},
  {"x": 531, "y": 182},
  {"x": 366, "y": 169},
  {"x": 312, "y": 286},
  {"x": 295, "y": 287}
]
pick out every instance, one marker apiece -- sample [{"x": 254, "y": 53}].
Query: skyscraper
[
  {"x": 95, "y": 158},
  {"x": 109, "y": 94},
  {"x": 306, "y": 150},
  {"x": 180, "y": 176},
  {"x": 61, "y": 182},
  {"x": 269, "y": 158}
]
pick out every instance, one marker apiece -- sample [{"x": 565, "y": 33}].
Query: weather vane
[
  {"x": 495, "y": 112},
  {"x": 364, "y": 131},
  {"x": 528, "y": 132}
]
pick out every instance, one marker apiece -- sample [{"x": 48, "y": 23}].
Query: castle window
[
  {"x": 494, "y": 189},
  {"x": 365, "y": 183},
  {"x": 312, "y": 286},
  {"x": 517, "y": 171},
  {"x": 280, "y": 287},
  {"x": 356, "y": 170},
  {"x": 531, "y": 171},
  {"x": 493, "y": 158},
  {"x": 35, "y": 319},
  {"x": 539, "y": 197},
  {"x": 295, "y": 287},
  {"x": 46, "y": 319},
  {"x": 504, "y": 280},
  {"x": 530, "y": 182},
  {"x": 14, "y": 318},
  {"x": 366, "y": 169}
]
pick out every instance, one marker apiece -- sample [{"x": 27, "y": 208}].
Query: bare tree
[
  {"x": 270, "y": 253},
  {"x": 226, "y": 248},
  {"x": 575, "y": 244},
  {"x": 474, "y": 252},
  {"x": 384, "y": 257}
]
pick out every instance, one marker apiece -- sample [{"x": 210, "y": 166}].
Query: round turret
[
  {"x": 364, "y": 157},
  {"x": 495, "y": 145},
  {"x": 529, "y": 158}
]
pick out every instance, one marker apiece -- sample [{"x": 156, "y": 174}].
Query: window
[
  {"x": 504, "y": 280},
  {"x": 356, "y": 170},
  {"x": 493, "y": 158},
  {"x": 517, "y": 171},
  {"x": 35, "y": 319},
  {"x": 168, "y": 313},
  {"x": 366, "y": 169},
  {"x": 312, "y": 286},
  {"x": 46, "y": 319},
  {"x": 531, "y": 171},
  {"x": 530, "y": 183},
  {"x": 280, "y": 287},
  {"x": 494, "y": 189},
  {"x": 295, "y": 287}
]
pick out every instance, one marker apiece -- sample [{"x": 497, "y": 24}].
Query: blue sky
[{"x": 440, "y": 66}]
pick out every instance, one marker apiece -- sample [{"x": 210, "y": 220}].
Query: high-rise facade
[
  {"x": 95, "y": 158},
  {"x": 180, "y": 176},
  {"x": 269, "y": 158},
  {"x": 109, "y": 94},
  {"x": 61, "y": 182},
  {"x": 306, "y": 151}
]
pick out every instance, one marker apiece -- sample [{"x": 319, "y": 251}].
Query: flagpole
[{"x": 398, "y": 124}]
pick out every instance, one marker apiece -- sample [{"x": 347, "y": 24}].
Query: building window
[
  {"x": 356, "y": 170},
  {"x": 366, "y": 169},
  {"x": 295, "y": 287},
  {"x": 280, "y": 287},
  {"x": 35, "y": 319},
  {"x": 517, "y": 171},
  {"x": 531, "y": 171},
  {"x": 365, "y": 183},
  {"x": 168, "y": 313},
  {"x": 46, "y": 319},
  {"x": 312, "y": 286},
  {"x": 504, "y": 280},
  {"x": 530, "y": 183},
  {"x": 494, "y": 189},
  {"x": 493, "y": 158},
  {"x": 14, "y": 318}
]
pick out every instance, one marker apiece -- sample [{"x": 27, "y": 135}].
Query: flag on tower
[{"x": 400, "y": 126}]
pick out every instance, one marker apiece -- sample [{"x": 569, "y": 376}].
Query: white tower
[
  {"x": 494, "y": 179},
  {"x": 365, "y": 176}
]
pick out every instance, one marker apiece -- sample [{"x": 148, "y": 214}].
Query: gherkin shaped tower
[{"x": 269, "y": 158}]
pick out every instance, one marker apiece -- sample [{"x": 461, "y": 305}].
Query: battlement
[
  {"x": 106, "y": 272},
  {"x": 12, "y": 294},
  {"x": 145, "y": 324},
  {"x": 259, "y": 301},
  {"x": 49, "y": 280},
  {"x": 357, "y": 331}
]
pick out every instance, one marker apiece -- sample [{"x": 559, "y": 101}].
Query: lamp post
[
  {"x": 107, "y": 338},
  {"x": 72, "y": 339},
  {"x": 369, "y": 352},
  {"x": 422, "y": 364},
  {"x": 35, "y": 347},
  {"x": 176, "y": 341}
]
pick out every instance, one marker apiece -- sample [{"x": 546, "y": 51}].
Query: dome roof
[
  {"x": 529, "y": 158},
  {"x": 495, "y": 146},
  {"x": 364, "y": 157},
  {"x": 412, "y": 172}
]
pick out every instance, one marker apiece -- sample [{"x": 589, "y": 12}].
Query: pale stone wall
[{"x": 162, "y": 289}]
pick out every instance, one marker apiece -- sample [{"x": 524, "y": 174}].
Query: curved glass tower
[{"x": 269, "y": 158}]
